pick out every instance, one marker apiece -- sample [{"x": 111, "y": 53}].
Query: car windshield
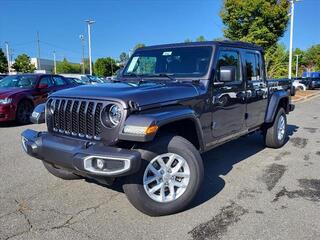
[
  {"x": 177, "y": 62},
  {"x": 95, "y": 79},
  {"x": 19, "y": 81}
]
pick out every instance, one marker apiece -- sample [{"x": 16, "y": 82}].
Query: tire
[
  {"x": 179, "y": 148},
  {"x": 24, "y": 111},
  {"x": 273, "y": 139},
  {"x": 60, "y": 173}
]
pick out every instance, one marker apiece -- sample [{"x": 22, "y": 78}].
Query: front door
[{"x": 228, "y": 102}]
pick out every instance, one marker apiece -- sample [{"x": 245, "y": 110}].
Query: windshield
[
  {"x": 178, "y": 62},
  {"x": 19, "y": 81},
  {"x": 95, "y": 79}
]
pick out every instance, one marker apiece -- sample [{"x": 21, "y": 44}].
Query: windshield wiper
[{"x": 168, "y": 75}]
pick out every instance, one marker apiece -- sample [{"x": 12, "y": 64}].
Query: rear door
[
  {"x": 256, "y": 88},
  {"x": 228, "y": 103},
  {"x": 59, "y": 82}
]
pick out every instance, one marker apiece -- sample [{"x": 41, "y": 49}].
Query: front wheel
[
  {"x": 24, "y": 111},
  {"x": 170, "y": 177},
  {"x": 275, "y": 135}
]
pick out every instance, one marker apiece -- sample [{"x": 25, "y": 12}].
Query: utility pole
[
  {"x": 38, "y": 47},
  {"x": 81, "y": 36},
  {"x": 54, "y": 62},
  {"x": 89, "y": 22},
  {"x": 291, "y": 36},
  {"x": 297, "y": 65},
  {"x": 8, "y": 56}
]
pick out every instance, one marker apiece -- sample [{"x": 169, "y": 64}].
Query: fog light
[{"x": 100, "y": 164}]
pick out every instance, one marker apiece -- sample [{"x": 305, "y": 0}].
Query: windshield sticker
[
  {"x": 166, "y": 53},
  {"x": 132, "y": 64}
]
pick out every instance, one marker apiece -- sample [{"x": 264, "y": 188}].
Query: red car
[{"x": 19, "y": 94}]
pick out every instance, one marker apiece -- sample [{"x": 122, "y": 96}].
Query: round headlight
[{"x": 114, "y": 115}]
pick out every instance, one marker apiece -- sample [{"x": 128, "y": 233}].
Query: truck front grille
[{"x": 77, "y": 118}]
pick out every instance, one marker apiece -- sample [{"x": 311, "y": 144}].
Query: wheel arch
[{"x": 278, "y": 99}]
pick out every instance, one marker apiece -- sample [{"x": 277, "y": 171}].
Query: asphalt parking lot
[{"x": 249, "y": 192}]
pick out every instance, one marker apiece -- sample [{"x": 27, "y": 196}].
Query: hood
[
  {"x": 146, "y": 93},
  {"x": 7, "y": 92}
]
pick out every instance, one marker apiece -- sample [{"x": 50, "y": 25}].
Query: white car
[{"x": 299, "y": 86}]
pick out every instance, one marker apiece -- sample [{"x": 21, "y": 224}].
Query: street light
[
  {"x": 8, "y": 56},
  {"x": 54, "y": 62},
  {"x": 81, "y": 36},
  {"x": 291, "y": 36},
  {"x": 90, "y": 22},
  {"x": 297, "y": 65}
]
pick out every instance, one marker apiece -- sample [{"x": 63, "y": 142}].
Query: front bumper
[{"x": 81, "y": 157}]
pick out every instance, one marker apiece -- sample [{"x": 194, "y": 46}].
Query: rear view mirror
[{"x": 227, "y": 73}]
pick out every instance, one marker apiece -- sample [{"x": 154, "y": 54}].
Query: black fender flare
[
  {"x": 160, "y": 117},
  {"x": 275, "y": 99}
]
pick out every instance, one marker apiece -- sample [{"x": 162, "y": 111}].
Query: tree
[
  {"x": 277, "y": 61},
  {"x": 188, "y": 40},
  {"x": 311, "y": 59},
  {"x": 257, "y": 21},
  {"x": 23, "y": 64},
  {"x": 104, "y": 67},
  {"x": 139, "y": 45},
  {"x": 67, "y": 67},
  {"x": 3, "y": 62},
  {"x": 124, "y": 57},
  {"x": 200, "y": 39}
]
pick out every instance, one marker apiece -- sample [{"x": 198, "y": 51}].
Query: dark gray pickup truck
[{"x": 150, "y": 126}]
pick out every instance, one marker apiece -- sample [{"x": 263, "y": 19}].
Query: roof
[{"x": 206, "y": 43}]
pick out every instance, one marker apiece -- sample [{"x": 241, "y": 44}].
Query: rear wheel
[
  {"x": 275, "y": 135},
  {"x": 169, "y": 178},
  {"x": 24, "y": 111},
  {"x": 60, "y": 173}
]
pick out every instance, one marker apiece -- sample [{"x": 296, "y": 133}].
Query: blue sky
[{"x": 123, "y": 23}]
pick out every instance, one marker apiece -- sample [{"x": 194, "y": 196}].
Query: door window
[
  {"x": 230, "y": 58},
  {"x": 58, "y": 81},
  {"x": 253, "y": 66},
  {"x": 46, "y": 81}
]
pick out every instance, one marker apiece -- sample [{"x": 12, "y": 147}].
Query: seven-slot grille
[{"x": 79, "y": 118}]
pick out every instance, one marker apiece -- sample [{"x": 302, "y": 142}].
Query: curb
[{"x": 306, "y": 98}]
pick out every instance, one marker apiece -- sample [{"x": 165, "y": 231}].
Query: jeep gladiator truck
[{"x": 150, "y": 126}]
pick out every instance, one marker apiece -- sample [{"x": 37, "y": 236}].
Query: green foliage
[
  {"x": 277, "y": 61},
  {"x": 311, "y": 58},
  {"x": 124, "y": 57},
  {"x": 200, "y": 39},
  {"x": 67, "y": 67},
  {"x": 23, "y": 64},
  {"x": 139, "y": 45},
  {"x": 3, "y": 62},
  {"x": 257, "y": 21},
  {"x": 104, "y": 67}
]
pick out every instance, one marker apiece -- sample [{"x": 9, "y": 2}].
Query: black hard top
[{"x": 226, "y": 43}]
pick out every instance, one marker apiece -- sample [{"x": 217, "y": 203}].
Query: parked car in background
[
  {"x": 74, "y": 80},
  {"x": 19, "y": 94},
  {"x": 84, "y": 78},
  {"x": 298, "y": 85},
  {"x": 311, "y": 79}
]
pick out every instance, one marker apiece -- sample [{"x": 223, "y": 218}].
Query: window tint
[
  {"x": 46, "y": 81},
  {"x": 58, "y": 81},
  {"x": 230, "y": 58},
  {"x": 253, "y": 63}
]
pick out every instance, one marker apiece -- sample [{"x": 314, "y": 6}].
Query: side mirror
[
  {"x": 38, "y": 114},
  {"x": 227, "y": 74},
  {"x": 43, "y": 86}
]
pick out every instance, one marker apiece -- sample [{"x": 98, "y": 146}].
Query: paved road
[{"x": 250, "y": 192}]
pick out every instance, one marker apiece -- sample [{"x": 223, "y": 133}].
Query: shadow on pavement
[
  {"x": 12, "y": 124},
  {"x": 220, "y": 161}
]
